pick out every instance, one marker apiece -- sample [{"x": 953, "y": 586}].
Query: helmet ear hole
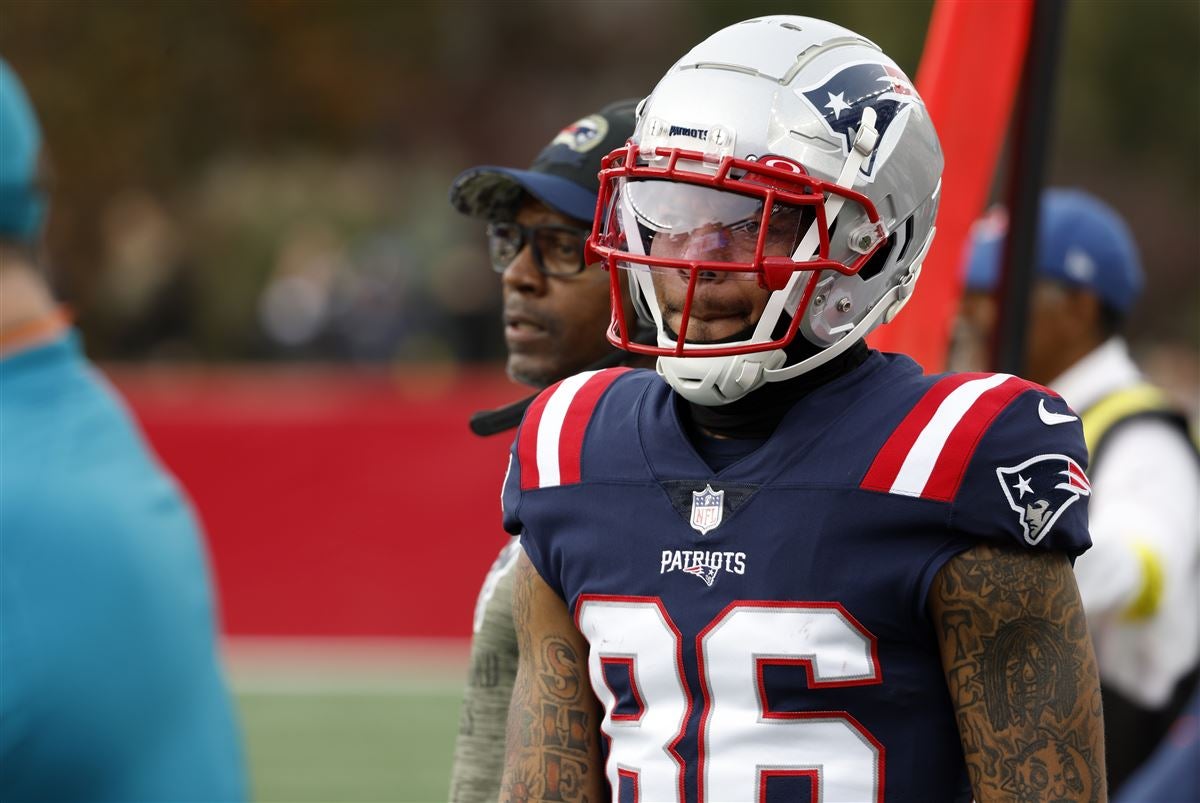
[
  {"x": 908, "y": 238},
  {"x": 875, "y": 264}
]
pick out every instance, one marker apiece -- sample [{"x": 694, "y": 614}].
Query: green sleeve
[{"x": 479, "y": 750}]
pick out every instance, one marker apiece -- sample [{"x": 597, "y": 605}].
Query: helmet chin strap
[{"x": 712, "y": 381}]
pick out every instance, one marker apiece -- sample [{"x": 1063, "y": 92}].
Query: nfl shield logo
[{"x": 707, "y": 508}]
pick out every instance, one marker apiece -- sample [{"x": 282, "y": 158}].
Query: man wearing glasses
[{"x": 556, "y": 310}]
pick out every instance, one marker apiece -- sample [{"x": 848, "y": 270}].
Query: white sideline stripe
[
  {"x": 342, "y": 687},
  {"x": 921, "y": 458},
  {"x": 550, "y": 428},
  {"x": 345, "y": 665}
]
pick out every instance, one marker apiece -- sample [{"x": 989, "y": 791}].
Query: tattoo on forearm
[
  {"x": 552, "y": 723},
  {"x": 562, "y": 679},
  {"x": 1022, "y": 675},
  {"x": 1027, "y": 672}
]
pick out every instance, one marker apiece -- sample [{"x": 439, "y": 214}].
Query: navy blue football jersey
[{"x": 760, "y": 632}]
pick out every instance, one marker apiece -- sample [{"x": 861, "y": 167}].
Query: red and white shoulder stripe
[
  {"x": 928, "y": 453},
  {"x": 550, "y": 446}
]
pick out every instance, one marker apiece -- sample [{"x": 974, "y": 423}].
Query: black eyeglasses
[{"x": 557, "y": 250}]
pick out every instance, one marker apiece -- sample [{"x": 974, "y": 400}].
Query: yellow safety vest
[
  {"x": 1100, "y": 421},
  {"x": 1120, "y": 406}
]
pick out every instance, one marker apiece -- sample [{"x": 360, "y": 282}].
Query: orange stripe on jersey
[{"x": 35, "y": 332}]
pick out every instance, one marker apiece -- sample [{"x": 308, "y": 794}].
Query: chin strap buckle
[{"x": 867, "y": 137}]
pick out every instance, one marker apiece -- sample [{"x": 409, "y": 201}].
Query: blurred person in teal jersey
[{"x": 110, "y": 688}]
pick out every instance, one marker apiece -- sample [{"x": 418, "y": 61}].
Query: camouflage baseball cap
[{"x": 563, "y": 176}]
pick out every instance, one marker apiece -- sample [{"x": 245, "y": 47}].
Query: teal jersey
[{"x": 110, "y": 688}]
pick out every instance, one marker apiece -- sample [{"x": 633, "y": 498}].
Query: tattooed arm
[
  {"x": 552, "y": 748},
  {"x": 1022, "y": 676}
]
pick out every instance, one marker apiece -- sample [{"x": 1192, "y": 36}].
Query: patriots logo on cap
[
  {"x": 841, "y": 98},
  {"x": 1041, "y": 489},
  {"x": 582, "y": 135}
]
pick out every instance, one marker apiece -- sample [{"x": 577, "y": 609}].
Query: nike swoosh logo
[{"x": 1049, "y": 418}]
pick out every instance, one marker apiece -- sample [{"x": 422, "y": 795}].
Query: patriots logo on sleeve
[
  {"x": 842, "y": 97},
  {"x": 1041, "y": 489}
]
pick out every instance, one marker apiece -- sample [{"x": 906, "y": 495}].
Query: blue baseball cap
[
  {"x": 564, "y": 176},
  {"x": 22, "y": 204},
  {"x": 1081, "y": 242}
]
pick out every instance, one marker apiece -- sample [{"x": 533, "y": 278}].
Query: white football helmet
[{"x": 784, "y": 151}]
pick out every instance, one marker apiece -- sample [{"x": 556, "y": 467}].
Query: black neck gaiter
[{"x": 757, "y": 414}]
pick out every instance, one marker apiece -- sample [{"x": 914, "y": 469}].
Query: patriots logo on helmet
[
  {"x": 1041, "y": 489},
  {"x": 841, "y": 98},
  {"x": 705, "y": 572}
]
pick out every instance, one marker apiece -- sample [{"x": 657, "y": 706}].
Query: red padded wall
[{"x": 334, "y": 502}]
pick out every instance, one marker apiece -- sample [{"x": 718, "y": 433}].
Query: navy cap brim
[{"x": 492, "y": 192}]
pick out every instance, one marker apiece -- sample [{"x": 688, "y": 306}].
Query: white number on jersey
[{"x": 743, "y": 742}]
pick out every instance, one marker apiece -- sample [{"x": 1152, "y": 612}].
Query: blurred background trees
[{"x": 267, "y": 180}]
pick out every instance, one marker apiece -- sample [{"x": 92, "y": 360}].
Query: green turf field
[
  {"x": 372, "y": 731},
  {"x": 349, "y": 747}
]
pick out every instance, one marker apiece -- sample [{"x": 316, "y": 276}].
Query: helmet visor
[{"x": 685, "y": 225}]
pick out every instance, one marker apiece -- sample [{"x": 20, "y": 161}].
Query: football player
[
  {"x": 792, "y": 568},
  {"x": 555, "y": 311}
]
